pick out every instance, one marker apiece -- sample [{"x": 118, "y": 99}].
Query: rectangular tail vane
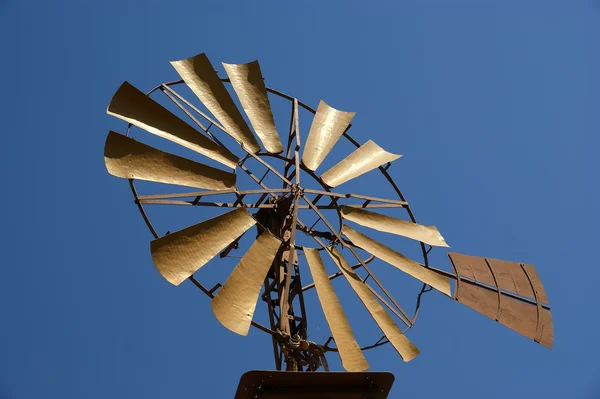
[{"x": 509, "y": 292}]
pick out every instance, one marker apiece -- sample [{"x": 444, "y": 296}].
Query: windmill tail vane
[{"x": 270, "y": 270}]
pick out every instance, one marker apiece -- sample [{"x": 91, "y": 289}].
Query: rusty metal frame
[{"x": 288, "y": 187}]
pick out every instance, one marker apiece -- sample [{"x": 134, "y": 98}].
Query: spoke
[
  {"x": 171, "y": 94},
  {"x": 267, "y": 165},
  {"x": 208, "y": 193},
  {"x": 208, "y": 204},
  {"x": 394, "y": 311},
  {"x": 357, "y": 196}
]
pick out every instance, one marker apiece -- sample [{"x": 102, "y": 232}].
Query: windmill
[{"x": 284, "y": 246}]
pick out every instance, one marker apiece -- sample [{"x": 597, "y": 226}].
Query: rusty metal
[
  {"x": 277, "y": 212},
  {"x": 489, "y": 295},
  {"x": 333, "y": 385}
]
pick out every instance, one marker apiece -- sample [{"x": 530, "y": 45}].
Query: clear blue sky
[{"x": 494, "y": 105}]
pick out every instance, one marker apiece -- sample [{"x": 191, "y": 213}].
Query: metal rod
[
  {"x": 486, "y": 287},
  {"x": 382, "y": 300},
  {"x": 358, "y": 196},
  {"x": 207, "y": 193},
  {"x": 189, "y": 104}
]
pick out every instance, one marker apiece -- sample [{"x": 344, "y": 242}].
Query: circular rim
[{"x": 382, "y": 169}]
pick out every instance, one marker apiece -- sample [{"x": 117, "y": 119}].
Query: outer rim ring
[{"x": 382, "y": 169}]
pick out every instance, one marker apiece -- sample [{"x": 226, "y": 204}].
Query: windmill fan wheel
[{"x": 278, "y": 214}]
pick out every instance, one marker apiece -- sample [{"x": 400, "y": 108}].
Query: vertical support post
[{"x": 284, "y": 322}]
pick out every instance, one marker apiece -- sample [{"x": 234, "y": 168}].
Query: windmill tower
[{"x": 285, "y": 248}]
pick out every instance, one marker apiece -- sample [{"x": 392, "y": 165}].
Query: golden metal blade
[
  {"x": 327, "y": 127},
  {"x": 249, "y": 85},
  {"x": 124, "y": 157},
  {"x": 398, "y": 340},
  {"x": 352, "y": 357},
  {"x": 364, "y": 159},
  {"x": 200, "y": 76},
  {"x": 426, "y": 234},
  {"x": 178, "y": 255},
  {"x": 235, "y": 302},
  {"x": 133, "y": 106},
  {"x": 408, "y": 266}
]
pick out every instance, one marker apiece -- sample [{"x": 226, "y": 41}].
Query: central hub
[{"x": 277, "y": 218}]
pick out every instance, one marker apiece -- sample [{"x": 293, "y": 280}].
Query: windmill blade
[
  {"x": 178, "y": 255},
  {"x": 528, "y": 317},
  {"x": 200, "y": 76},
  {"x": 133, "y": 106},
  {"x": 249, "y": 85},
  {"x": 408, "y": 266},
  {"x": 364, "y": 159},
  {"x": 124, "y": 157},
  {"x": 350, "y": 353},
  {"x": 426, "y": 234},
  {"x": 327, "y": 127},
  {"x": 235, "y": 302},
  {"x": 398, "y": 340}
]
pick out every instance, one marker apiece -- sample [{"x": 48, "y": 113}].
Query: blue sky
[{"x": 493, "y": 104}]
